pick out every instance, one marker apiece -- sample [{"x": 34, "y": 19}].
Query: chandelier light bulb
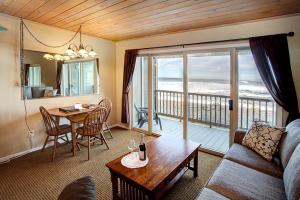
[
  {"x": 69, "y": 51},
  {"x": 48, "y": 56},
  {"x": 82, "y": 51},
  {"x": 66, "y": 57},
  {"x": 92, "y": 53},
  {"x": 58, "y": 57}
]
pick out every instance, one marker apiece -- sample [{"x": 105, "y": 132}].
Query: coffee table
[{"x": 169, "y": 158}]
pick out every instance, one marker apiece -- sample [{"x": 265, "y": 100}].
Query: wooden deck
[{"x": 215, "y": 139}]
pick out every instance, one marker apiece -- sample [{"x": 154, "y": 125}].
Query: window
[
  {"x": 80, "y": 78},
  {"x": 34, "y": 75}
]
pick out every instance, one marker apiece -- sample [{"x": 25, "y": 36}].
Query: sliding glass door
[
  {"x": 167, "y": 93},
  {"x": 140, "y": 94},
  {"x": 202, "y": 95},
  {"x": 208, "y": 95}
]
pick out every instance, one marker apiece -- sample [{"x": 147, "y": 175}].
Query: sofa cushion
[
  {"x": 245, "y": 156},
  {"x": 263, "y": 139},
  {"x": 236, "y": 181},
  {"x": 37, "y": 92},
  {"x": 239, "y": 136},
  {"x": 289, "y": 141},
  {"x": 81, "y": 189},
  {"x": 291, "y": 176},
  {"x": 208, "y": 194}
]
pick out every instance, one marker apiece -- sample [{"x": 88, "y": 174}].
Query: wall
[
  {"x": 13, "y": 132},
  {"x": 244, "y": 30}
]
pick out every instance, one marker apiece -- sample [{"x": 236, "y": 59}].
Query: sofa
[
  {"x": 33, "y": 92},
  {"x": 243, "y": 174}
]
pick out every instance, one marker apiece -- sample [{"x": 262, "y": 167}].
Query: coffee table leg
[
  {"x": 196, "y": 165},
  {"x": 114, "y": 181}
]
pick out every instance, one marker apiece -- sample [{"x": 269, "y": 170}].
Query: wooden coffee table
[{"x": 169, "y": 157}]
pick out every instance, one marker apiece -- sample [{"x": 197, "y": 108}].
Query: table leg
[
  {"x": 114, "y": 181},
  {"x": 57, "y": 119},
  {"x": 196, "y": 165},
  {"x": 73, "y": 137}
]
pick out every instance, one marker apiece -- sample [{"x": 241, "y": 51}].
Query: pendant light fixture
[
  {"x": 74, "y": 52},
  {"x": 81, "y": 51}
]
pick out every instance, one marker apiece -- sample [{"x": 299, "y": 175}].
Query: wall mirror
[{"x": 44, "y": 77}]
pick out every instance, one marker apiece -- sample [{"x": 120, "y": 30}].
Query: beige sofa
[{"x": 243, "y": 174}]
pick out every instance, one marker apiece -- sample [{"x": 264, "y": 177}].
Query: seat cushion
[
  {"x": 291, "y": 176},
  {"x": 236, "y": 181},
  {"x": 208, "y": 194},
  {"x": 245, "y": 156},
  {"x": 81, "y": 189},
  {"x": 289, "y": 141},
  {"x": 65, "y": 128}
]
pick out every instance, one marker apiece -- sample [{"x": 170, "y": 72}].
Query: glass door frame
[{"x": 233, "y": 87}]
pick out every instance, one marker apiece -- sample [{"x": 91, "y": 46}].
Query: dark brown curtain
[
  {"x": 97, "y": 65},
  {"x": 129, "y": 64},
  {"x": 271, "y": 55},
  {"x": 26, "y": 78},
  {"x": 59, "y": 76}
]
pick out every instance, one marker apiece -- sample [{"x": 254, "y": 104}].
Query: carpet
[{"x": 35, "y": 176}]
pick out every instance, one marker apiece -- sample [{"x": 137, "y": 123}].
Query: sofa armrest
[{"x": 239, "y": 135}]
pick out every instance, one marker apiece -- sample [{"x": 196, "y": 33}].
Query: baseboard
[
  {"x": 122, "y": 126},
  {"x": 8, "y": 158}
]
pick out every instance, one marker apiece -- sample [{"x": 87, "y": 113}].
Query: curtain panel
[
  {"x": 129, "y": 64},
  {"x": 97, "y": 66},
  {"x": 271, "y": 56},
  {"x": 26, "y": 79},
  {"x": 59, "y": 76}
]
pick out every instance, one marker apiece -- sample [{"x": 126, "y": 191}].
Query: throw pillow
[
  {"x": 81, "y": 189},
  {"x": 263, "y": 139},
  {"x": 48, "y": 93},
  {"x": 54, "y": 92}
]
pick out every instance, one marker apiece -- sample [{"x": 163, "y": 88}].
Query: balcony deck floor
[{"x": 215, "y": 139}]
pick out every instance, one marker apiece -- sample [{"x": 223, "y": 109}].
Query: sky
[{"x": 209, "y": 67}]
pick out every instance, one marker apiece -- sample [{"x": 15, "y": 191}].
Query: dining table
[{"x": 75, "y": 117}]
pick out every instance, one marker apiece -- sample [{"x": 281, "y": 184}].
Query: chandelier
[{"x": 74, "y": 52}]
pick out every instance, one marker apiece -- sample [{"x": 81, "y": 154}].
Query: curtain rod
[{"x": 290, "y": 34}]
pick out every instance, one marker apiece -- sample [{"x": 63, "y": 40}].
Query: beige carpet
[{"x": 34, "y": 176}]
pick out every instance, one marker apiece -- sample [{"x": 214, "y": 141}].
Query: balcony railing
[{"x": 214, "y": 109}]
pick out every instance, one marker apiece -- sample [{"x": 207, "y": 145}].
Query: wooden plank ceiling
[{"x": 125, "y": 19}]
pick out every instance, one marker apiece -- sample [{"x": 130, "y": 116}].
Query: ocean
[{"x": 215, "y": 87}]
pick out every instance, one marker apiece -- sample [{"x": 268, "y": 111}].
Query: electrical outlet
[{"x": 31, "y": 133}]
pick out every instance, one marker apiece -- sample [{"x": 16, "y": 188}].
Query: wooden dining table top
[{"x": 72, "y": 116}]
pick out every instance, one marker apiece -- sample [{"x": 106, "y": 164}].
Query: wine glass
[{"x": 132, "y": 146}]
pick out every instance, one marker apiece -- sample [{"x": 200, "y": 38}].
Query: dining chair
[
  {"x": 93, "y": 128},
  {"x": 106, "y": 103},
  {"x": 53, "y": 129}
]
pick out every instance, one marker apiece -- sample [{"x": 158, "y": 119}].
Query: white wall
[
  {"x": 13, "y": 132},
  {"x": 258, "y": 28}
]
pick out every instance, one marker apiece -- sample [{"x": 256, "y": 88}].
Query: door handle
[{"x": 230, "y": 103}]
